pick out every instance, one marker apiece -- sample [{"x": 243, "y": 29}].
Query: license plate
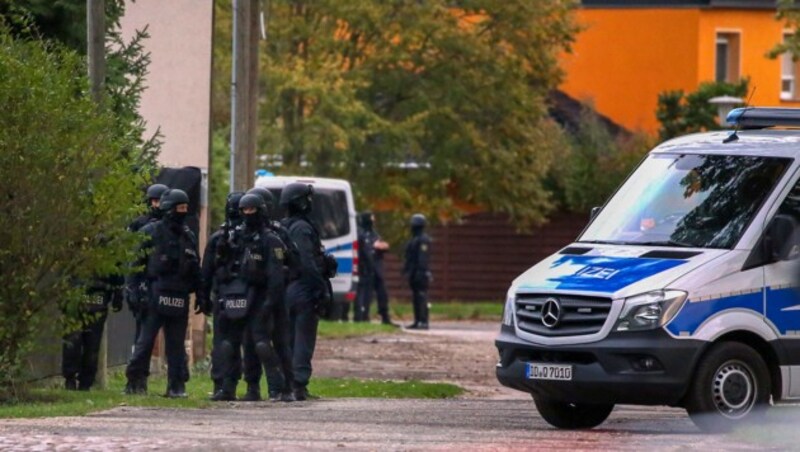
[{"x": 536, "y": 371}]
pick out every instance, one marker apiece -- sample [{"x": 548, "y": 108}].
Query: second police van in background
[
  {"x": 333, "y": 213},
  {"x": 682, "y": 290}
]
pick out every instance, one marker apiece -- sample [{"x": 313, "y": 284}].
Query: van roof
[
  {"x": 282, "y": 181},
  {"x": 767, "y": 142}
]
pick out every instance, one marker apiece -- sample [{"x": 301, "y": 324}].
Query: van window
[
  {"x": 704, "y": 201},
  {"x": 329, "y": 213}
]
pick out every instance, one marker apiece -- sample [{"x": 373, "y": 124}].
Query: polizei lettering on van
[{"x": 174, "y": 302}]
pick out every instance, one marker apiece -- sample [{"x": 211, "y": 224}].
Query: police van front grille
[{"x": 575, "y": 316}]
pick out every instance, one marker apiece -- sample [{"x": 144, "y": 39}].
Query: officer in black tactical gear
[
  {"x": 153, "y": 213},
  {"x": 219, "y": 256},
  {"x": 171, "y": 272},
  {"x": 417, "y": 270},
  {"x": 248, "y": 299},
  {"x": 309, "y": 293},
  {"x": 370, "y": 271},
  {"x": 81, "y": 348},
  {"x": 276, "y": 383}
]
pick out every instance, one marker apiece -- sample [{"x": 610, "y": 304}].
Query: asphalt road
[
  {"x": 487, "y": 417},
  {"x": 359, "y": 424}
]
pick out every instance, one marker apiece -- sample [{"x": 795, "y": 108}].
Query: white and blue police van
[
  {"x": 334, "y": 214},
  {"x": 681, "y": 291}
]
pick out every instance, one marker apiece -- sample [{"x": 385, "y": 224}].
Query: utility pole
[
  {"x": 96, "y": 53},
  {"x": 244, "y": 93}
]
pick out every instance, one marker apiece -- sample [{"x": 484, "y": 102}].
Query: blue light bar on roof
[{"x": 761, "y": 117}]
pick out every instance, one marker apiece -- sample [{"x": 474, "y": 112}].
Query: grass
[
  {"x": 50, "y": 401},
  {"x": 339, "y": 330},
  {"x": 454, "y": 310}
]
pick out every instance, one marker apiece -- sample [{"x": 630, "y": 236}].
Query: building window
[
  {"x": 788, "y": 71},
  {"x": 727, "y": 58}
]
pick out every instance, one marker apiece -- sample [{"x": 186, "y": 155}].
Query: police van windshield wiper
[
  {"x": 670, "y": 242},
  {"x": 602, "y": 242}
]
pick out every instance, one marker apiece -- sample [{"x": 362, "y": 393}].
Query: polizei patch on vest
[
  {"x": 278, "y": 253},
  {"x": 174, "y": 302},
  {"x": 236, "y": 303}
]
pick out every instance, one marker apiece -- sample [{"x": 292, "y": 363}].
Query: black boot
[
  {"x": 422, "y": 326},
  {"x": 288, "y": 396},
  {"x": 176, "y": 389},
  {"x": 385, "y": 320},
  {"x": 226, "y": 393},
  {"x": 413, "y": 326},
  {"x": 253, "y": 393},
  {"x": 136, "y": 386},
  {"x": 300, "y": 393},
  {"x": 71, "y": 384}
]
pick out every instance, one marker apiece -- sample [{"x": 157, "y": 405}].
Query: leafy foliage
[
  {"x": 594, "y": 163},
  {"x": 418, "y": 103},
  {"x": 68, "y": 192},
  {"x": 790, "y": 15},
  {"x": 680, "y": 113}
]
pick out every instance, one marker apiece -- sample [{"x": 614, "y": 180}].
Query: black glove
[
  {"x": 202, "y": 305},
  {"x": 116, "y": 300}
]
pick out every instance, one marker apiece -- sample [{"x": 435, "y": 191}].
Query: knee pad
[
  {"x": 263, "y": 350},
  {"x": 226, "y": 348}
]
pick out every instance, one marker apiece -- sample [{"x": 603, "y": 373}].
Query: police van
[
  {"x": 681, "y": 291},
  {"x": 334, "y": 215}
]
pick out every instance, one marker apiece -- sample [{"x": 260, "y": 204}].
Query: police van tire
[
  {"x": 572, "y": 416},
  {"x": 730, "y": 386}
]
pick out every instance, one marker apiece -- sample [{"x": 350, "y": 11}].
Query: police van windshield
[
  {"x": 704, "y": 201},
  {"x": 329, "y": 212}
]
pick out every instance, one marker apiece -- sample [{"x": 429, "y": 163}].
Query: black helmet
[
  {"x": 232, "y": 205},
  {"x": 155, "y": 191},
  {"x": 365, "y": 220},
  {"x": 297, "y": 196},
  {"x": 252, "y": 200},
  {"x": 418, "y": 220},
  {"x": 269, "y": 200},
  {"x": 172, "y": 198}
]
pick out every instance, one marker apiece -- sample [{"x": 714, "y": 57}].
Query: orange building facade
[{"x": 629, "y": 52}]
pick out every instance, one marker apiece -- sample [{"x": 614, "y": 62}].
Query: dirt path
[{"x": 458, "y": 352}]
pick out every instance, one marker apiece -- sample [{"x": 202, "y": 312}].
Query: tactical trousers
[
  {"x": 80, "y": 352},
  {"x": 255, "y": 329},
  {"x": 419, "y": 298},
  {"x": 174, "y": 334},
  {"x": 373, "y": 282},
  {"x": 280, "y": 372},
  {"x": 303, "y": 322}
]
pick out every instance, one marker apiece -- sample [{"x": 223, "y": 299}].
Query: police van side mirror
[
  {"x": 593, "y": 213},
  {"x": 782, "y": 239}
]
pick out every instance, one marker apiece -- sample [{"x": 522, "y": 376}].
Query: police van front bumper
[{"x": 641, "y": 368}]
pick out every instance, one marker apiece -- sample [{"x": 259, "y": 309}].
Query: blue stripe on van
[
  {"x": 345, "y": 265},
  {"x": 343, "y": 247},
  {"x": 692, "y": 315},
  {"x": 598, "y": 273}
]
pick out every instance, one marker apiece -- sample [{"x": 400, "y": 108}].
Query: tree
[
  {"x": 67, "y": 192},
  {"x": 680, "y": 113},
  {"x": 423, "y": 104},
  {"x": 790, "y": 15}
]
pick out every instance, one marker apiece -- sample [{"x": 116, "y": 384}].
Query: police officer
[
  {"x": 248, "y": 299},
  {"x": 81, "y": 348},
  {"x": 370, "y": 265},
  {"x": 171, "y": 272},
  {"x": 218, "y": 257},
  {"x": 417, "y": 270},
  {"x": 310, "y": 291},
  {"x": 279, "y": 316},
  {"x": 153, "y": 213}
]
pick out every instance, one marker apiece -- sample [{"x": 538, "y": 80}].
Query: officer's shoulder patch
[
  {"x": 278, "y": 251},
  {"x": 423, "y": 247}
]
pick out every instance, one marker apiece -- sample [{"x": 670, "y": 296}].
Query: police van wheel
[
  {"x": 731, "y": 386},
  {"x": 572, "y": 416}
]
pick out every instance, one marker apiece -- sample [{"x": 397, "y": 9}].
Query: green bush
[
  {"x": 680, "y": 113},
  {"x": 594, "y": 163},
  {"x": 67, "y": 190}
]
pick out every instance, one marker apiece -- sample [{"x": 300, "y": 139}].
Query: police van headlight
[
  {"x": 650, "y": 310},
  {"x": 508, "y": 309}
]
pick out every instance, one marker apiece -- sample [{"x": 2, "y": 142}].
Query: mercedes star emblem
[{"x": 551, "y": 312}]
